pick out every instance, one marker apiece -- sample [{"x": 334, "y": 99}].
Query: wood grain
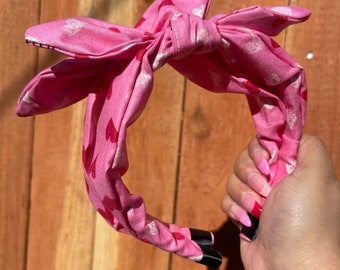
[
  {"x": 216, "y": 129},
  {"x": 16, "y": 135},
  {"x": 315, "y": 44},
  {"x": 153, "y": 143},
  {"x": 181, "y": 149},
  {"x": 152, "y": 148},
  {"x": 61, "y": 218}
]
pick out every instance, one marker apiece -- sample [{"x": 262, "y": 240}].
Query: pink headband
[{"x": 113, "y": 66}]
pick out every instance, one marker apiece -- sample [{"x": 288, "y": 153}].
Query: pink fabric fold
[{"x": 113, "y": 67}]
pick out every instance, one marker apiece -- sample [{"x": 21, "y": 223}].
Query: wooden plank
[
  {"x": 62, "y": 219},
  {"x": 153, "y": 152},
  {"x": 158, "y": 131},
  {"x": 108, "y": 242},
  {"x": 216, "y": 128},
  {"x": 16, "y": 134},
  {"x": 315, "y": 44},
  {"x": 152, "y": 147},
  {"x": 323, "y": 115}
]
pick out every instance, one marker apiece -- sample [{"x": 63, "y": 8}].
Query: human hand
[{"x": 300, "y": 221}]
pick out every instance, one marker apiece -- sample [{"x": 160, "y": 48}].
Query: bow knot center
[{"x": 191, "y": 34}]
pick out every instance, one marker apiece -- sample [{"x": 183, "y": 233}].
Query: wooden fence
[{"x": 181, "y": 149}]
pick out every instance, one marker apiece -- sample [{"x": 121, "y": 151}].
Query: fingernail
[
  {"x": 261, "y": 163},
  {"x": 257, "y": 210},
  {"x": 251, "y": 205},
  {"x": 250, "y": 233},
  {"x": 240, "y": 215},
  {"x": 259, "y": 184},
  {"x": 244, "y": 219},
  {"x": 245, "y": 237}
]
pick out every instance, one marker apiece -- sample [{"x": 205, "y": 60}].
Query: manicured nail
[
  {"x": 257, "y": 210},
  {"x": 261, "y": 163},
  {"x": 251, "y": 205},
  {"x": 245, "y": 237},
  {"x": 250, "y": 233},
  {"x": 241, "y": 215},
  {"x": 244, "y": 219},
  {"x": 259, "y": 184}
]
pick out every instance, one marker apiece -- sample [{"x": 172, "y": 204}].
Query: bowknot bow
[
  {"x": 113, "y": 66},
  {"x": 191, "y": 34}
]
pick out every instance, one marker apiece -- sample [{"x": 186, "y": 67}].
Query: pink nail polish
[
  {"x": 240, "y": 215},
  {"x": 251, "y": 205},
  {"x": 245, "y": 237},
  {"x": 261, "y": 163},
  {"x": 250, "y": 233},
  {"x": 259, "y": 184},
  {"x": 245, "y": 220},
  {"x": 257, "y": 210}
]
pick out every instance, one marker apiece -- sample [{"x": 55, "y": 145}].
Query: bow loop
[
  {"x": 191, "y": 34},
  {"x": 82, "y": 37},
  {"x": 157, "y": 16},
  {"x": 61, "y": 85},
  {"x": 268, "y": 20}
]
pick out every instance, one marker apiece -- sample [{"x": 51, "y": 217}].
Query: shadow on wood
[{"x": 227, "y": 242}]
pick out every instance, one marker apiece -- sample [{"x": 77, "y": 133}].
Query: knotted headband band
[{"x": 113, "y": 66}]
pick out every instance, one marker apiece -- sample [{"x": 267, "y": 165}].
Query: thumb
[{"x": 313, "y": 162}]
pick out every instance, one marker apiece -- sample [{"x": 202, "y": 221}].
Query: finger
[
  {"x": 244, "y": 196},
  {"x": 236, "y": 213},
  {"x": 259, "y": 155},
  {"x": 247, "y": 172}
]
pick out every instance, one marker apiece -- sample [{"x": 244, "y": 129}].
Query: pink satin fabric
[{"x": 113, "y": 67}]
